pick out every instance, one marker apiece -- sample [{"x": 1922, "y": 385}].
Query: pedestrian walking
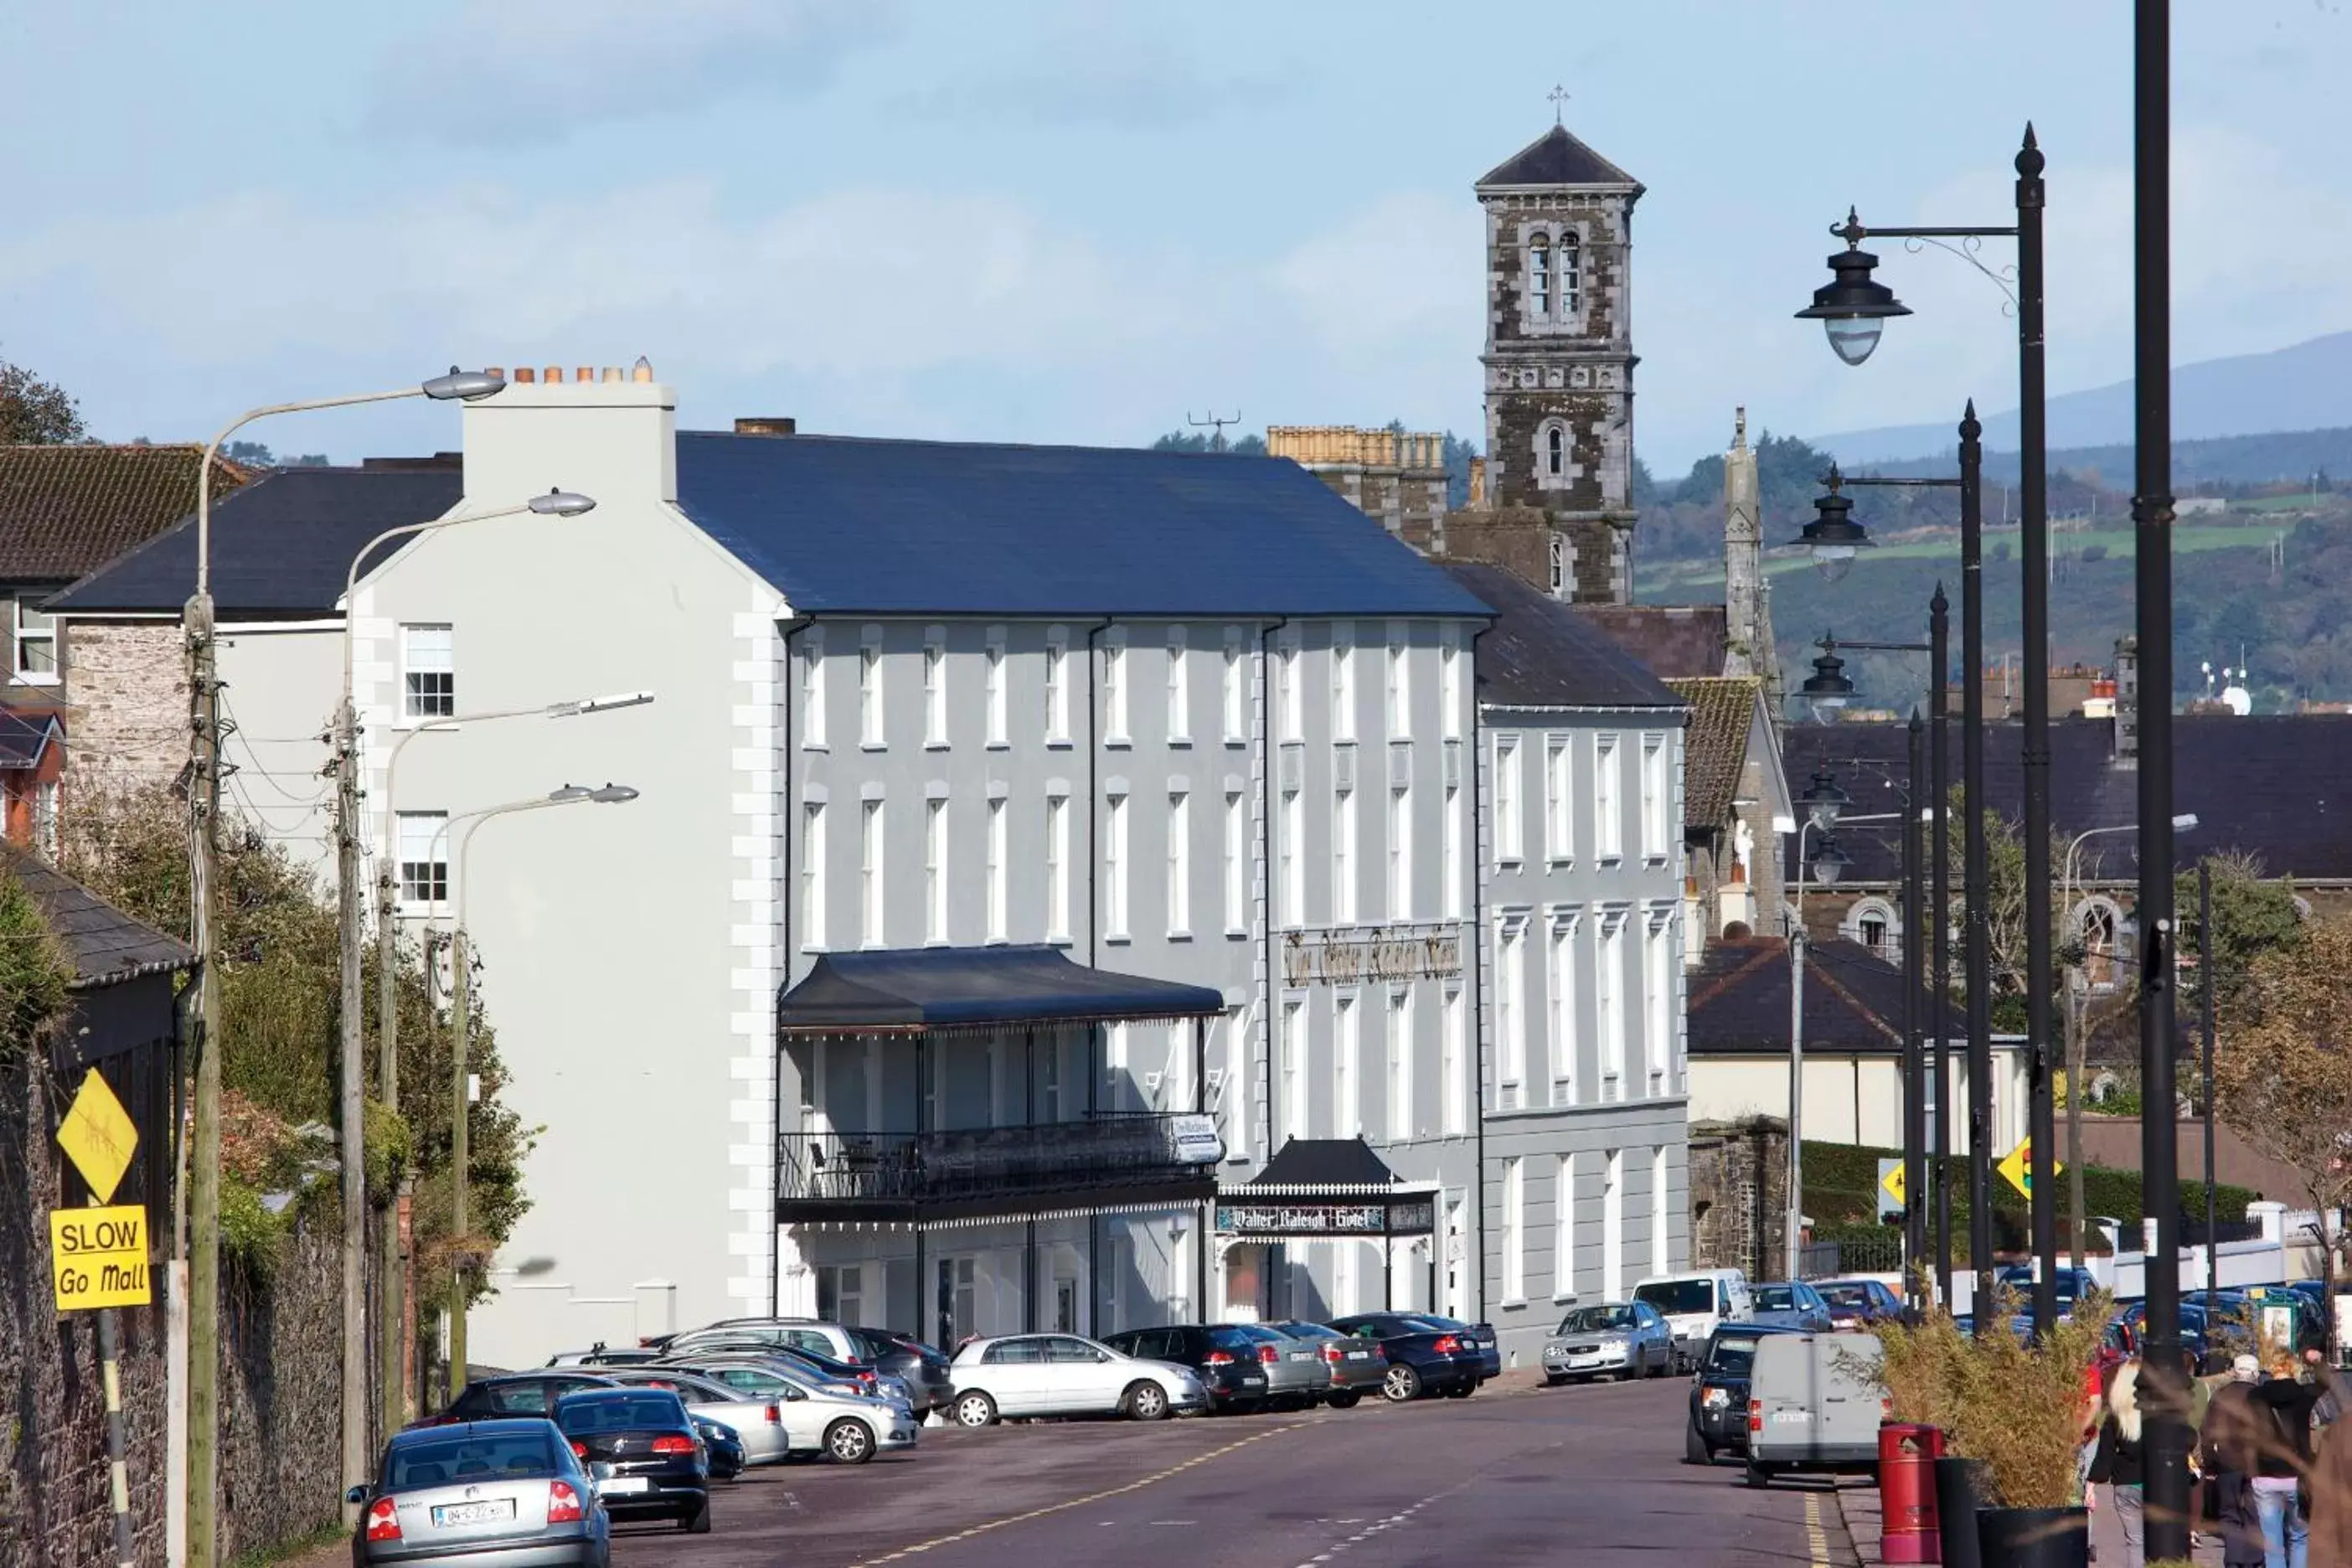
[
  {"x": 2282, "y": 1465},
  {"x": 2118, "y": 1460},
  {"x": 2227, "y": 1440}
]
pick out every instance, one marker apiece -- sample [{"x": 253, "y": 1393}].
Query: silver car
[
  {"x": 481, "y": 1494},
  {"x": 1615, "y": 1338},
  {"x": 1062, "y": 1374},
  {"x": 850, "y": 1427},
  {"x": 758, "y": 1422}
]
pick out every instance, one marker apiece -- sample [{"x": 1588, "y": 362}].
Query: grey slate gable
[{"x": 1541, "y": 653}]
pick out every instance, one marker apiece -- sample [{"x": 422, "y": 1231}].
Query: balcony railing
[{"x": 979, "y": 1170}]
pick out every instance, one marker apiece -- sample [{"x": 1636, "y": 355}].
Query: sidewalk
[{"x": 1859, "y": 1504}]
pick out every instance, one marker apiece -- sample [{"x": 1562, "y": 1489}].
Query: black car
[
  {"x": 1477, "y": 1336},
  {"x": 1227, "y": 1356},
  {"x": 514, "y": 1394},
  {"x": 1423, "y": 1357},
  {"x": 922, "y": 1368},
  {"x": 1719, "y": 1395},
  {"x": 644, "y": 1450},
  {"x": 720, "y": 1441}
]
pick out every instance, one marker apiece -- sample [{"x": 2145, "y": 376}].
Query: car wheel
[
  {"x": 1462, "y": 1391},
  {"x": 1342, "y": 1398},
  {"x": 1145, "y": 1401},
  {"x": 1759, "y": 1476},
  {"x": 698, "y": 1522},
  {"x": 1554, "y": 1378},
  {"x": 1695, "y": 1447},
  {"x": 1402, "y": 1385},
  {"x": 849, "y": 1441},
  {"x": 974, "y": 1410}
]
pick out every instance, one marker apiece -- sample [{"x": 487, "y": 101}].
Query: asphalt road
[{"x": 1527, "y": 1476}]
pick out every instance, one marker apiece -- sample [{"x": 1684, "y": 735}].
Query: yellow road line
[
  {"x": 1135, "y": 1486},
  {"x": 1817, "y": 1539}
]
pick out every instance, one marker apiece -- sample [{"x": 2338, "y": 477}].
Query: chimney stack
[
  {"x": 2126, "y": 723},
  {"x": 592, "y": 431},
  {"x": 766, "y": 425}
]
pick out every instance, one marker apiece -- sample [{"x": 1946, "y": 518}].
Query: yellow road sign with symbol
[
  {"x": 98, "y": 1257},
  {"x": 2018, "y": 1169},
  {"x": 1890, "y": 1181},
  {"x": 98, "y": 1136}
]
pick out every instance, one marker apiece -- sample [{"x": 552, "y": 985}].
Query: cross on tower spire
[{"x": 1558, "y": 96}]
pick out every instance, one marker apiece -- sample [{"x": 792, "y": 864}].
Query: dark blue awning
[{"x": 909, "y": 990}]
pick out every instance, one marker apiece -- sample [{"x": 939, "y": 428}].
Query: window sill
[
  {"x": 814, "y": 746},
  {"x": 1116, "y": 938},
  {"x": 995, "y": 941},
  {"x": 1118, "y": 743},
  {"x": 1000, "y": 746},
  {"x": 1563, "y": 1298},
  {"x": 1236, "y": 933},
  {"x": 1179, "y": 742},
  {"x": 1612, "y": 860},
  {"x": 1057, "y": 743},
  {"x": 1509, "y": 862},
  {"x": 1508, "y": 1302},
  {"x": 935, "y": 745},
  {"x": 872, "y": 745},
  {"x": 26, "y": 677},
  {"x": 1236, "y": 741},
  {"x": 1179, "y": 936},
  {"x": 1560, "y": 862},
  {"x": 1058, "y": 938}
]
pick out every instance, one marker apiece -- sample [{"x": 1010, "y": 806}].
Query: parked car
[
  {"x": 1062, "y": 1374},
  {"x": 1616, "y": 1338},
  {"x": 1479, "y": 1337},
  {"x": 1695, "y": 1305},
  {"x": 496, "y": 1492},
  {"x": 644, "y": 1451},
  {"x": 720, "y": 1441},
  {"x": 1353, "y": 1367},
  {"x": 774, "y": 1365},
  {"x": 1858, "y": 1303},
  {"x": 1792, "y": 1304},
  {"x": 1422, "y": 1357},
  {"x": 757, "y": 1420},
  {"x": 1719, "y": 1395},
  {"x": 1241, "y": 1366},
  {"x": 513, "y": 1393},
  {"x": 1814, "y": 1403},
  {"x": 836, "y": 1419},
  {"x": 922, "y": 1371},
  {"x": 600, "y": 1355},
  {"x": 759, "y": 1342},
  {"x": 2073, "y": 1285}
]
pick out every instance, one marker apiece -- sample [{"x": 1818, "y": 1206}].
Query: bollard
[{"x": 1906, "y": 1492}]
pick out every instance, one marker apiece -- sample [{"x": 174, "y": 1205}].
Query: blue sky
[{"x": 1049, "y": 220}]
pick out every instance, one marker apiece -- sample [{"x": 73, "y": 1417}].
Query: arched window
[
  {"x": 1872, "y": 922},
  {"x": 1572, "y": 274},
  {"x": 2099, "y": 927},
  {"x": 1555, "y": 451},
  {"x": 1539, "y": 277}
]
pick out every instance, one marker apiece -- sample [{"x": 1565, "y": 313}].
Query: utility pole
[
  {"x": 460, "y": 1027},
  {"x": 1793, "y": 1222},
  {"x": 203, "y": 1480},
  {"x": 353, "y": 1097},
  {"x": 1975, "y": 870},
  {"x": 392, "y": 1317}
]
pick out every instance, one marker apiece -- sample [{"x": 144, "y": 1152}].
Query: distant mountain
[
  {"x": 2306, "y": 387},
  {"x": 2296, "y": 456}
]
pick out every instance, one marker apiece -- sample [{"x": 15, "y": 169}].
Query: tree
[
  {"x": 34, "y": 412},
  {"x": 1212, "y": 441},
  {"x": 2282, "y": 1067}
]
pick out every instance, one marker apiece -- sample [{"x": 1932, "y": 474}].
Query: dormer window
[
  {"x": 1539, "y": 276},
  {"x": 1571, "y": 275}
]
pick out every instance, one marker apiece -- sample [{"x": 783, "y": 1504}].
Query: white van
[
  {"x": 1814, "y": 1402},
  {"x": 1695, "y": 1305}
]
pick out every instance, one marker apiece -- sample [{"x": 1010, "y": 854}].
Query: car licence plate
[
  {"x": 1254, "y": 1383},
  {"x": 1302, "y": 1355},
  {"x": 626, "y": 1484},
  {"x": 1790, "y": 1417},
  {"x": 448, "y": 1514},
  {"x": 1359, "y": 1355}
]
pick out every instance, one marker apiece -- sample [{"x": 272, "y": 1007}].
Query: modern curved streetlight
[
  {"x": 460, "y": 1024},
  {"x": 198, "y": 1239}
]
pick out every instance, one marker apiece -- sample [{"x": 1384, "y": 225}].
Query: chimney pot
[
  {"x": 612, "y": 372},
  {"x": 767, "y": 425},
  {"x": 525, "y": 375},
  {"x": 497, "y": 370},
  {"x": 553, "y": 375},
  {"x": 642, "y": 370},
  {"x": 584, "y": 374}
]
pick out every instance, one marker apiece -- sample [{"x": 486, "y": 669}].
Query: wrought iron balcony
[{"x": 1100, "y": 1161}]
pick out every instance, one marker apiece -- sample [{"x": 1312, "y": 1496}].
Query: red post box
[{"x": 1906, "y": 1492}]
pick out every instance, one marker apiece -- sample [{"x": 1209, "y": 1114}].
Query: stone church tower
[{"x": 1560, "y": 357}]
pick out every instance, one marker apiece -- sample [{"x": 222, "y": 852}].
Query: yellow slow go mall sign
[{"x": 98, "y": 1257}]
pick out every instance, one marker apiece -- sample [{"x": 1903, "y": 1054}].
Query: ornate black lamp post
[{"x": 1854, "y": 309}]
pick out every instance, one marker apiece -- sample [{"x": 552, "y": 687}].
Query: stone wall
[
  {"x": 1516, "y": 539},
  {"x": 129, "y": 699},
  {"x": 1739, "y": 1186},
  {"x": 282, "y": 1366}
]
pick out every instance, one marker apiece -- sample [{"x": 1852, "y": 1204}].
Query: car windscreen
[
  {"x": 1775, "y": 1298},
  {"x": 1845, "y": 1295},
  {"x": 1306, "y": 1331},
  {"x": 1597, "y": 1319},
  {"x": 1231, "y": 1337},
  {"x": 445, "y": 1461},
  {"x": 611, "y": 1413},
  {"x": 1732, "y": 1355},
  {"x": 1673, "y": 1296}
]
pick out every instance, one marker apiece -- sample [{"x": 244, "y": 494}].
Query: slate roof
[
  {"x": 24, "y": 736},
  {"x": 107, "y": 946},
  {"x": 1715, "y": 746},
  {"x": 1539, "y": 653},
  {"x": 909, "y": 990},
  {"x": 280, "y": 546},
  {"x": 845, "y": 526},
  {"x": 1348, "y": 1163},
  {"x": 2274, "y": 786},
  {"x": 1676, "y": 641},
  {"x": 1738, "y": 999},
  {"x": 66, "y": 510},
  {"x": 1557, "y": 158}
]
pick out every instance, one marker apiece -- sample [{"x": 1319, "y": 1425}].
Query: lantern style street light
[
  {"x": 1834, "y": 536},
  {"x": 1853, "y": 306}
]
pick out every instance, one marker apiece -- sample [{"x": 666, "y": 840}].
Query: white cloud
[{"x": 525, "y": 71}]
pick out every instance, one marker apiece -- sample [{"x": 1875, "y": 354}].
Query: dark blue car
[
  {"x": 1479, "y": 1335},
  {"x": 1425, "y": 1356}
]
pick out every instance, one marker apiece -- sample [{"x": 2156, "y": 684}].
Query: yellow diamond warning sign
[
  {"x": 98, "y": 1136},
  {"x": 2019, "y": 1167},
  {"x": 98, "y": 1257}
]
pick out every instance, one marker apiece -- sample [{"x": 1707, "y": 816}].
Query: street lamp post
[
  {"x": 350, "y": 915},
  {"x": 192, "y": 1516},
  {"x": 1854, "y": 309},
  {"x": 391, "y": 1281},
  {"x": 460, "y": 1030}
]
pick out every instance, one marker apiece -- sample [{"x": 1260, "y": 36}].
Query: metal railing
[
  {"x": 1047, "y": 1156},
  {"x": 1850, "y": 1255}
]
